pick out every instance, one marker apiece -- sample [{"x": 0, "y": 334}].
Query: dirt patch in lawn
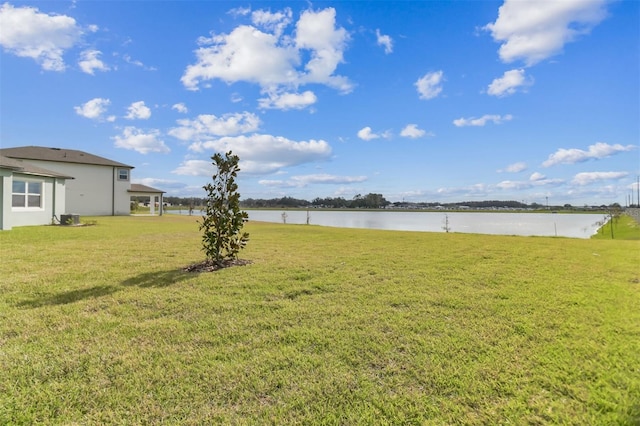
[{"x": 212, "y": 266}]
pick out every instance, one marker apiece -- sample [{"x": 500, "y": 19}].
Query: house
[
  {"x": 93, "y": 185},
  {"x": 30, "y": 195}
]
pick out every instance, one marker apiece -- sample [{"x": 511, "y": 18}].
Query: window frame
[
  {"x": 119, "y": 173},
  {"x": 28, "y": 193}
]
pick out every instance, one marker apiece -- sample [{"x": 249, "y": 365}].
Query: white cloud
[
  {"x": 276, "y": 183},
  {"x": 207, "y": 126},
  {"x": 128, "y": 59},
  {"x": 384, "y": 40},
  {"x": 314, "y": 179},
  {"x": 536, "y": 180},
  {"x": 180, "y": 107},
  {"x": 535, "y": 176},
  {"x": 137, "y": 140},
  {"x": 90, "y": 62},
  {"x": 245, "y": 54},
  {"x": 510, "y": 184},
  {"x": 138, "y": 110},
  {"x": 366, "y": 134},
  {"x": 272, "y": 59},
  {"x": 479, "y": 122},
  {"x": 430, "y": 85},
  {"x": 30, "y": 34},
  {"x": 93, "y": 109},
  {"x": 591, "y": 177},
  {"x": 536, "y": 30},
  {"x": 509, "y": 83},
  {"x": 477, "y": 190},
  {"x": 412, "y": 131},
  {"x": 285, "y": 101},
  {"x": 596, "y": 151},
  {"x": 274, "y": 22},
  {"x": 164, "y": 184},
  {"x": 239, "y": 11},
  {"x": 317, "y": 32},
  {"x": 515, "y": 167},
  {"x": 194, "y": 168},
  {"x": 260, "y": 153}
]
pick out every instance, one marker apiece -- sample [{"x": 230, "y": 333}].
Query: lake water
[{"x": 525, "y": 224}]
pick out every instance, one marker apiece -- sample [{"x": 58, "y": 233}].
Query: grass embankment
[
  {"x": 334, "y": 326},
  {"x": 624, "y": 228}
]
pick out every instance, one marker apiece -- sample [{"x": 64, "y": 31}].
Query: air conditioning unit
[{"x": 69, "y": 219}]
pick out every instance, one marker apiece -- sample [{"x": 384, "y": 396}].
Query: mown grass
[
  {"x": 100, "y": 325},
  {"x": 624, "y": 228}
]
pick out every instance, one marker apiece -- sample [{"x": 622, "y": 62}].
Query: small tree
[{"x": 222, "y": 223}]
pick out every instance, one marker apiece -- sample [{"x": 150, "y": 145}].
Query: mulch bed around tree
[{"x": 211, "y": 266}]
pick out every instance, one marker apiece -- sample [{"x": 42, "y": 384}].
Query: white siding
[
  {"x": 122, "y": 201},
  {"x": 94, "y": 191},
  {"x": 5, "y": 197},
  {"x": 59, "y": 197},
  {"x": 53, "y": 198}
]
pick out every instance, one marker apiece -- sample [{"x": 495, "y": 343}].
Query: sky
[{"x": 420, "y": 101}]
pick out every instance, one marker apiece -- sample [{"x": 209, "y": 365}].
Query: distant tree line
[
  {"x": 185, "y": 201},
  {"x": 284, "y": 202},
  {"x": 369, "y": 201}
]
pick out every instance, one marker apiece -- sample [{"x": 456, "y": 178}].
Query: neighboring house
[
  {"x": 29, "y": 195},
  {"x": 99, "y": 186}
]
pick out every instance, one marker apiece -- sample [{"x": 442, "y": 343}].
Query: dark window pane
[
  {"x": 34, "y": 201},
  {"x": 17, "y": 201}
]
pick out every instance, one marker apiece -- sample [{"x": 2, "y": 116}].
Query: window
[
  {"x": 26, "y": 194},
  {"x": 123, "y": 174}
]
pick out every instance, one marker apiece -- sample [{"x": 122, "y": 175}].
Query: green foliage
[
  {"x": 222, "y": 223},
  {"x": 369, "y": 201}
]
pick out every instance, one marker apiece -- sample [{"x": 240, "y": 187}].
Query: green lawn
[
  {"x": 624, "y": 228},
  {"x": 99, "y": 325}
]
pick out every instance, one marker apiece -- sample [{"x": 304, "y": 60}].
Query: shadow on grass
[
  {"x": 147, "y": 280},
  {"x": 70, "y": 296},
  {"x": 157, "y": 279}
]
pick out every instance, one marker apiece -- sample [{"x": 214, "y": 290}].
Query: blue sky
[{"x": 416, "y": 100}]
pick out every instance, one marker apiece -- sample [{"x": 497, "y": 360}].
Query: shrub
[{"x": 222, "y": 223}]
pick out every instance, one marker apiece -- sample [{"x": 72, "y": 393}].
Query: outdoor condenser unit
[{"x": 69, "y": 219}]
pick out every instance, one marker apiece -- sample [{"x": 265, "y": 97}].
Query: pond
[{"x": 524, "y": 224}]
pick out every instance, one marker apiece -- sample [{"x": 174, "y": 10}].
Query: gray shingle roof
[
  {"x": 28, "y": 169},
  {"x": 137, "y": 187},
  {"x": 58, "y": 154}
]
